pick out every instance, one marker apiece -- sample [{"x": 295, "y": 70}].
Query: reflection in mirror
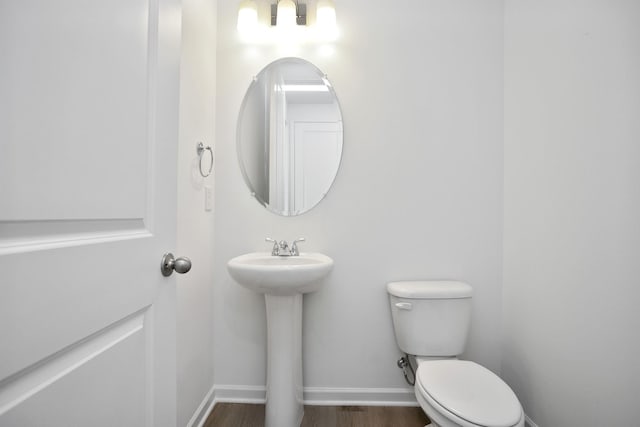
[{"x": 290, "y": 136}]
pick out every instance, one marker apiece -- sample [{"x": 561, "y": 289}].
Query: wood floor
[{"x": 246, "y": 415}]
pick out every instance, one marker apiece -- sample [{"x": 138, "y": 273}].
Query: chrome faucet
[
  {"x": 294, "y": 246},
  {"x": 282, "y": 248}
]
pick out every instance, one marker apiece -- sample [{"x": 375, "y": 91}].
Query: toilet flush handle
[{"x": 404, "y": 305}]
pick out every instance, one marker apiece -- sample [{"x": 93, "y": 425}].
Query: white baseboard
[
  {"x": 225, "y": 393},
  {"x": 359, "y": 396},
  {"x": 204, "y": 409},
  {"x": 528, "y": 422},
  {"x": 240, "y": 393},
  {"x": 323, "y": 396}
]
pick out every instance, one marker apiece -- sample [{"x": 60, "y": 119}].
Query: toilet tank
[{"x": 431, "y": 318}]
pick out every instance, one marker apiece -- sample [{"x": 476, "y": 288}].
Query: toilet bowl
[
  {"x": 431, "y": 320},
  {"x": 460, "y": 393}
]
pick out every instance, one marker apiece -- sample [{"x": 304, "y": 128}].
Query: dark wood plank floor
[{"x": 246, "y": 415}]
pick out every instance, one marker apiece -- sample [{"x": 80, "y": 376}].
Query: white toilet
[{"x": 431, "y": 321}]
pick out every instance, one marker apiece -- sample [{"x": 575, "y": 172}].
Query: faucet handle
[
  {"x": 276, "y": 249},
  {"x": 294, "y": 246}
]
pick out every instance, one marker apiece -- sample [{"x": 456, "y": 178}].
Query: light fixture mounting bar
[{"x": 301, "y": 14}]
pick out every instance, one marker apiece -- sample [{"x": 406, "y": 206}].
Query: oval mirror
[{"x": 289, "y": 136}]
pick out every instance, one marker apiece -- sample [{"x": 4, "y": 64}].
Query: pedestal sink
[{"x": 283, "y": 280}]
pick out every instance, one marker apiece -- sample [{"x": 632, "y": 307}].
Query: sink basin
[{"x": 277, "y": 275}]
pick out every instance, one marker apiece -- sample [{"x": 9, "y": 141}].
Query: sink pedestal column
[{"x": 284, "y": 406}]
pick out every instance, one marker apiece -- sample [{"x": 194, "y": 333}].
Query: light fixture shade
[
  {"x": 247, "y": 16},
  {"x": 326, "y": 15},
  {"x": 286, "y": 16}
]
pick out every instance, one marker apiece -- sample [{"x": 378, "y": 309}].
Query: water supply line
[{"x": 403, "y": 363}]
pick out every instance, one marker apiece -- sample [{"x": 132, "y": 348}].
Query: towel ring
[{"x": 200, "y": 149}]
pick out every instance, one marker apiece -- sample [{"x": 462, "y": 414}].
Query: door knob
[{"x": 170, "y": 264}]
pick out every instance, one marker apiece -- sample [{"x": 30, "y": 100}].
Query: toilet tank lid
[{"x": 430, "y": 289}]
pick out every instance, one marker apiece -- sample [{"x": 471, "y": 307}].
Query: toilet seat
[{"x": 468, "y": 394}]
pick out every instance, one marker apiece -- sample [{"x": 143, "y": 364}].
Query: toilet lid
[{"x": 470, "y": 391}]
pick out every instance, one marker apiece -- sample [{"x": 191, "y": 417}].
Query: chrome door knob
[{"x": 170, "y": 264}]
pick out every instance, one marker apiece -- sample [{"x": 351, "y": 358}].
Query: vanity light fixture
[{"x": 287, "y": 15}]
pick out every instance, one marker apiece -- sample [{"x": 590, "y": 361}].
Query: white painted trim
[
  {"x": 359, "y": 396},
  {"x": 528, "y": 422},
  {"x": 240, "y": 393},
  {"x": 322, "y": 396},
  {"x": 206, "y": 406}
]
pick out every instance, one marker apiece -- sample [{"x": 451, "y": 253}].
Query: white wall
[
  {"x": 572, "y": 210},
  {"x": 195, "y": 226},
  {"x": 418, "y": 195}
]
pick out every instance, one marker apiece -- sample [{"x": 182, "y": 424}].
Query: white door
[
  {"x": 88, "y": 138},
  {"x": 317, "y": 147}
]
